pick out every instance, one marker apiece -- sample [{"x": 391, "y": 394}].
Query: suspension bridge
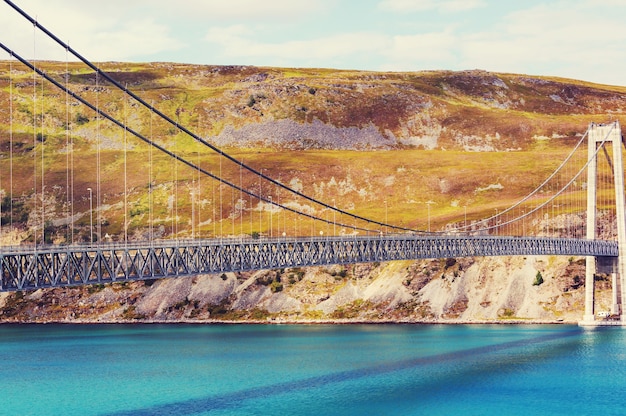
[{"x": 256, "y": 220}]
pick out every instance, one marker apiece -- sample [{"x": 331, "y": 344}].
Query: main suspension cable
[
  {"x": 194, "y": 136},
  {"x": 465, "y": 227},
  {"x": 558, "y": 193},
  {"x": 169, "y": 153}
]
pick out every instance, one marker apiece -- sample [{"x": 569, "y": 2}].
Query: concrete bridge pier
[
  {"x": 615, "y": 309},
  {"x": 590, "y": 271}
]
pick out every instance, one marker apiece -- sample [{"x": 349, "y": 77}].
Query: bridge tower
[{"x": 598, "y": 134}]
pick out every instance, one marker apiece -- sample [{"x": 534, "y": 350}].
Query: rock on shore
[{"x": 500, "y": 289}]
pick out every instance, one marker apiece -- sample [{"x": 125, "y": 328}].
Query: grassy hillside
[{"x": 353, "y": 139}]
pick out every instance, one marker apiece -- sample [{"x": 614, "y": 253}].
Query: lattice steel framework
[{"x": 57, "y": 266}]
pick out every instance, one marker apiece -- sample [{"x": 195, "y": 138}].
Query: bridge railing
[{"x": 608, "y": 245}]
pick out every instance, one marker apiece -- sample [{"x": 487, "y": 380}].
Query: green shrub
[
  {"x": 95, "y": 288},
  {"x": 276, "y": 286},
  {"x": 507, "y": 313},
  {"x": 538, "y": 279},
  {"x": 259, "y": 314},
  {"x": 131, "y": 313},
  {"x": 13, "y": 211},
  {"x": 449, "y": 262},
  {"x": 81, "y": 119}
]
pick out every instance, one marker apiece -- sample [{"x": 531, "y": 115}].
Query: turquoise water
[{"x": 137, "y": 370}]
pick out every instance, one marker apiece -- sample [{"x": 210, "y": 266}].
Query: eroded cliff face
[{"x": 499, "y": 289}]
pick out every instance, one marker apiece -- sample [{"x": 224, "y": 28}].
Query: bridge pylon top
[{"x": 605, "y": 132}]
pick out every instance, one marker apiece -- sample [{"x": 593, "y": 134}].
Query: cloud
[
  {"x": 142, "y": 37},
  {"x": 571, "y": 38},
  {"x": 578, "y": 41},
  {"x": 122, "y": 30},
  {"x": 575, "y": 39},
  {"x": 421, "y": 51},
  {"x": 205, "y": 10},
  {"x": 193, "y": 11},
  {"x": 243, "y": 9},
  {"x": 450, "y": 6},
  {"x": 238, "y": 42},
  {"x": 98, "y": 36}
]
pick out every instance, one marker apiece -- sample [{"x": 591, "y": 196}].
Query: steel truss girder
[{"x": 22, "y": 268}]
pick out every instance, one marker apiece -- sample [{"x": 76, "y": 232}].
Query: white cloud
[
  {"x": 461, "y": 5},
  {"x": 122, "y": 30},
  {"x": 242, "y": 9},
  {"x": 207, "y": 10},
  {"x": 421, "y": 51},
  {"x": 581, "y": 40},
  {"x": 575, "y": 41},
  {"x": 238, "y": 41},
  {"x": 139, "y": 38},
  {"x": 225, "y": 36},
  {"x": 423, "y": 5},
  {"x": 99, "y": 36},
  {"x": 571, "y": 38}
]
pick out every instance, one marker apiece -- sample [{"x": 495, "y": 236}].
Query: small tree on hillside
[{"x": 538, "y": 279}]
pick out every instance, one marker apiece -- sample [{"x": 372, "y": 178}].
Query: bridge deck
[{"x": 31, "y": 267}]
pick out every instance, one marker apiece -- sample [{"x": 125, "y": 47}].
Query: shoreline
[{"x": 290, "y": 322}]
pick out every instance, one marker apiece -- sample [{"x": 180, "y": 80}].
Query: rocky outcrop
[
  {"x": 289, "y": 134},
  {"x": 500, "y": 289}
]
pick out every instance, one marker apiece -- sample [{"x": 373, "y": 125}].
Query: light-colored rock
[
  {"x": 163, "y": 294},
  {"x": 212, "y": 289},
  {"x": 280, "y": 302},
  {"x": 347, "y": 294},
  {"x": 388, "y": 287},
  {"x": 3, "y": 298}
]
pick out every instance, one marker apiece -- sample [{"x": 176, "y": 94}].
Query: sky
[{"x": 579, "y": 39}]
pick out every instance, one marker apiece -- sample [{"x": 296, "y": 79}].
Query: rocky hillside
[
  {"x": 444, "y": 141},
  {"x": 243, "y": 106}
]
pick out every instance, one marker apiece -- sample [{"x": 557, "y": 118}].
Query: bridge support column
[
  {"x": 590, "y": 271},
  {"x": 620, "y": 214},
  {"x": 590, "y": 261},
  {"x": 616, "y": 289},
  {"x": 604, "y": 133}
]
